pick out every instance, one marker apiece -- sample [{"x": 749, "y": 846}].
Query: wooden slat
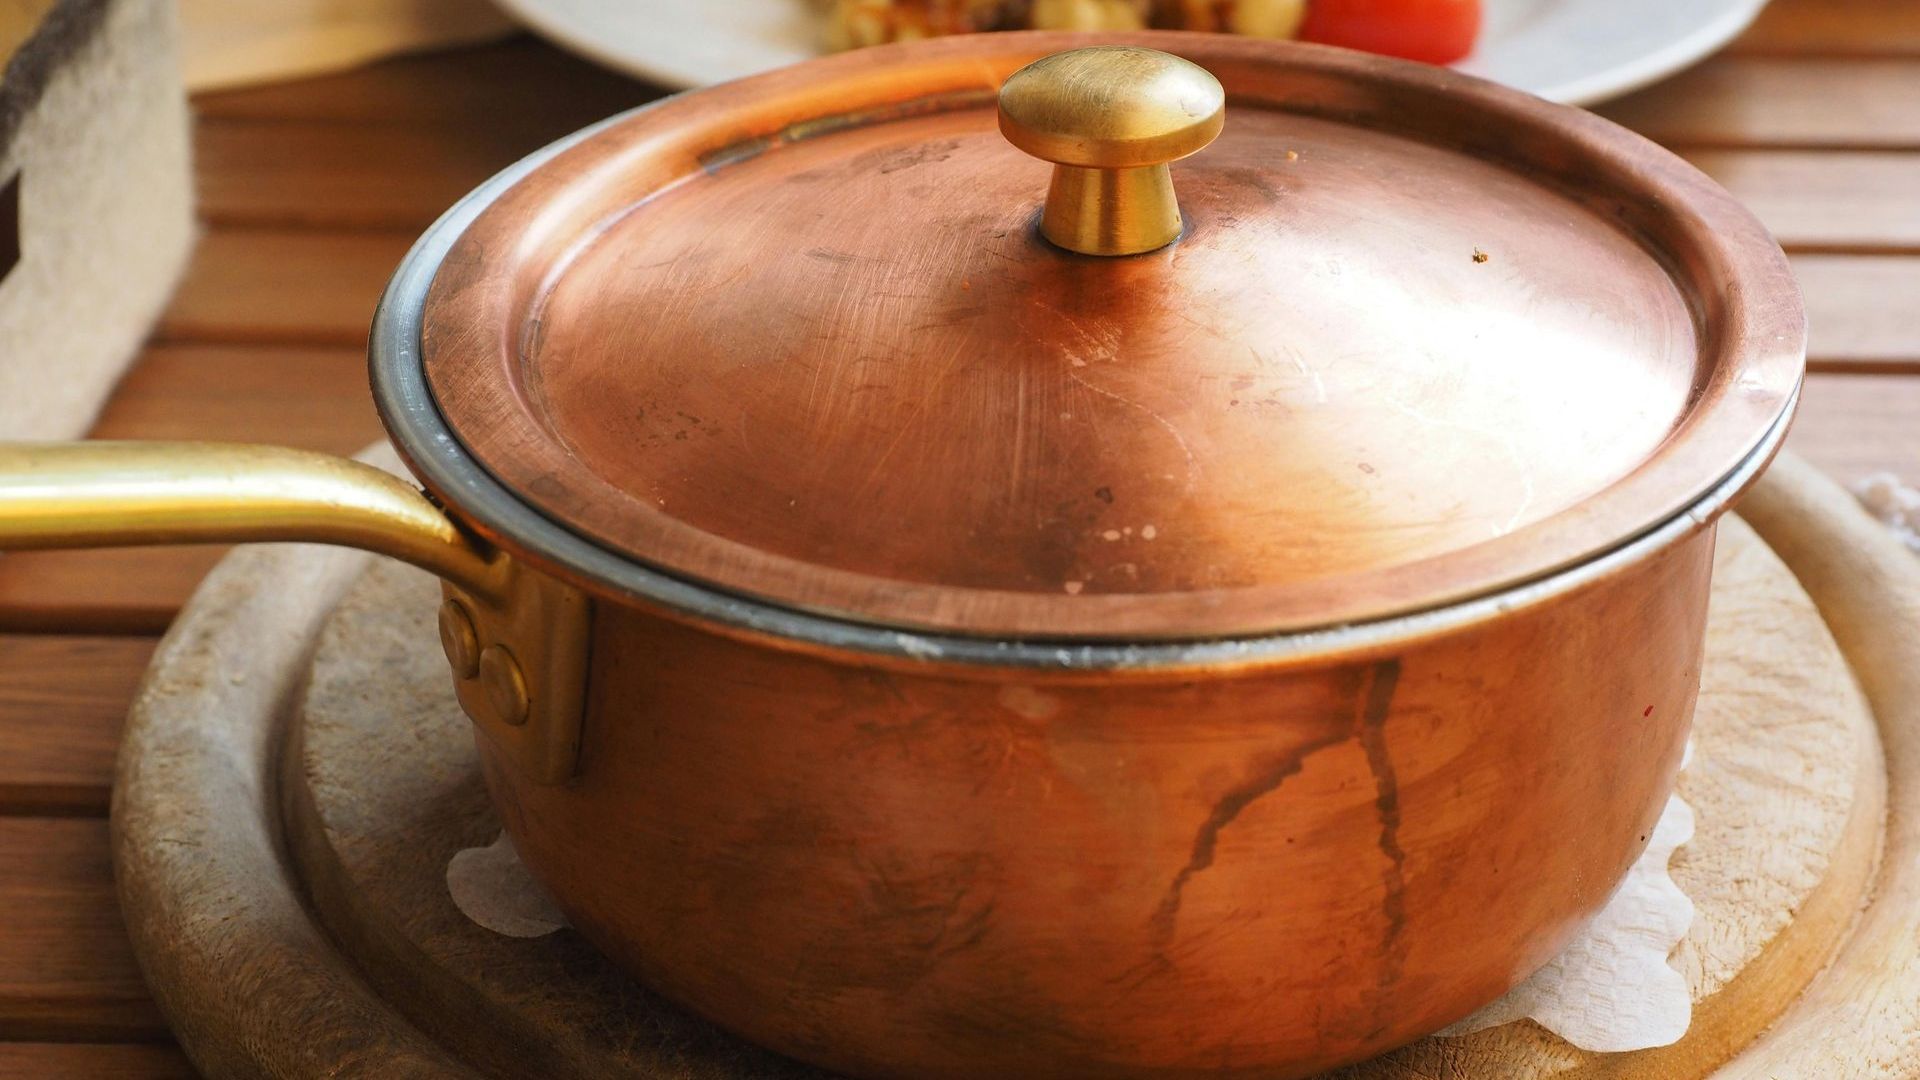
[
  {"x": 306, "y": 174},
  {"x": 1834, "y": 28},
  {"x": 1863, "y": 313},
  {"x": 63, "y": 701},
  {"x": 1834, "y": 201},
  {"x": 1852, "y": 425},
  {"x": 313, "y": 398},
  {"x": 1753, "y": 101},
  {"x": 523, "y": 85},
  {"x": 243, "y": 279},
  {"x": 95, "y": 1061},
  {"x": 392, "y": 146},
  {"x": 283, "y": 287},
  {"x": 303, "y": 176},
  {"x": 67, "y": 971},
  {"x": 119, "y": 591}
]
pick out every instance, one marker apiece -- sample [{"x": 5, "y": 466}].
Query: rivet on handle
[{"x": 1111, "y": 118}]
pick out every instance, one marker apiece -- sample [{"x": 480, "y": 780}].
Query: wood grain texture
[
  {"x": 63, "y": 701},
  {"x": 1868, "y": 1001},
  {"x": 94, "y": 1061},
  {"x": 1853, "y": 425},
  {"x": 1834, "y": 28},
  {"x": 66, "y": 971},
  {"x": 1826, "y": 201},
  {"x": 1765, "y": 928},
  {"x": 319, "y": 174},
  {"x": 194, "y": 833},
  {"x": 1754, "y": 101},
  {"x": 109, "y": 591},
  {"x": 315, "y": 398},
  {"x": 285, "y": 287},
  {"x": 308, "y": 397},
  {"x": 1861, "y": 312}
]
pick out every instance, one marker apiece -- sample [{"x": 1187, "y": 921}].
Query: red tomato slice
[{"x": 1436, "y": 31}]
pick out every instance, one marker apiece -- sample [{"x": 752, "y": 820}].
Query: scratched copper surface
[
  {"x": 939, "y": 873},
  {"x": 838, "y": 368}
]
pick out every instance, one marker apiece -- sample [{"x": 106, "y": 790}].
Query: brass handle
[
  {"x": 110, "y": 494},
  {"x": 518, "y": 640},
  {"x": 1111, "y": 118}
]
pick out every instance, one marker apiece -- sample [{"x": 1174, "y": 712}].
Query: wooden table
[{"x": 311, "y": 192}]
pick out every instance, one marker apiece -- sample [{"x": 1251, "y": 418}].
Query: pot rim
[{"x": 449, "y": 471}]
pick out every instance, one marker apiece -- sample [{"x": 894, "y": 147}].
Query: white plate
[{"x": 1575, "y": 51}]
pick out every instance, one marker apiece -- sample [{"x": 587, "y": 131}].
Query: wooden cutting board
[{"x": 355, "y": 960}]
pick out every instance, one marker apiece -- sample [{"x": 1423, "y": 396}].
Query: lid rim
[
  {"x": 437, "y": 457},
  {"x": 1580, "y": 532}
]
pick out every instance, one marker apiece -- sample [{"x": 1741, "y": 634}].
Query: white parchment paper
[
  {"x": 1612, "y": 989},
  {"x": 492, "y": 887}
]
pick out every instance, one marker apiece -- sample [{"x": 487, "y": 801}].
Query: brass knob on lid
[{"x": 1111, "y": 118}]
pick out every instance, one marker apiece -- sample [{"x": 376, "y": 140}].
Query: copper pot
[{"x": 1228, "y": 619}]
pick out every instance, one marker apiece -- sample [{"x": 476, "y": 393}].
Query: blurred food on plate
[{"x": 1435, "y": 31}]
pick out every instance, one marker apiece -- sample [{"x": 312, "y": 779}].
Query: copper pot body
[{"x": 901, "y": 870}]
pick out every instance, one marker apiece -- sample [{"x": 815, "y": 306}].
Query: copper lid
[{"x": 1420, "y": 338}]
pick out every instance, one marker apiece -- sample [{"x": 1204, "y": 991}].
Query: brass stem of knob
[
  {"x": 1111, "y": 211},
  {"x": 1111, "y": 118}
]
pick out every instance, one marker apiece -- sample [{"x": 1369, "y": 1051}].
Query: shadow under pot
[{"x": 974, "y": 559}]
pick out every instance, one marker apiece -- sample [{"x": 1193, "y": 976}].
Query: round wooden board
[{"x": 380, "y": 788}]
